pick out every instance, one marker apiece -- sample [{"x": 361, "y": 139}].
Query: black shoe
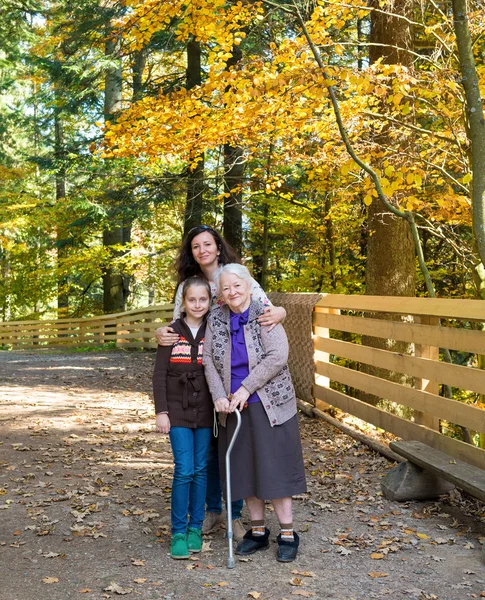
[
  {"x": 287, "y": 550},
  {"x": 252, "y": 543}
]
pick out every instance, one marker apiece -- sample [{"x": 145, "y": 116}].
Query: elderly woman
[{"x": 246, "y": 369}]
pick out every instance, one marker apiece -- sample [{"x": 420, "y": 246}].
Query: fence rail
[
  {"x": 428, "y": 324},
  {"x": 341, "y": 373},
  {"x": 131, "y": 329}
]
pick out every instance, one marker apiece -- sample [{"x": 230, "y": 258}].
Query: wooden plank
[
  {"x": 466, "y": 477},
  {"x": 444, "y": 337},
  {"x": 39, "y": 326},
  {"x": 136, "y": 335},
  {"x": 63, "y": 339},
  {"x": 423, "y": 383},
  {"x": 325, "y": 357},
  {"x": 401, "y": 427},
  {"x": 166, "y": 316},
  {"x": 444, "y": 408},
  {"x": 466, "y": 378},
  {"x": 468, "y": 310},
  {"x": 157, "y": 308},
  {"x": 141, "y": 326}
]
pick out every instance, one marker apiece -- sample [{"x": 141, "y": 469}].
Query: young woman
[
  {"x": 246, "y": 369},
  {"x": 184, "y": 410},
  {"x": 203, "y": 253}
]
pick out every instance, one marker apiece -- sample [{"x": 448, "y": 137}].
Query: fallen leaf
[
  {"x": 303, "y": 573},
  {"x": 469, "y": 546},
  {"x": 377, "y": 574},
  {"x": 85, "y": 591},
  {"x": 17, "y": 532},
  {"x": 223, "y": 583},
  {"x": 51, "y": 580},
  {"x": 423, "y": 536},
  {"x": 303, "y": 593},
  {"x": 377, "y": 555},
  {"x": 295, "y": 581},
  {"x": 137, "y": 562},
  {"x": 254, "y": 595},
  {"x": 140, "y": 580},
  {"x": 117, "y": 589}
]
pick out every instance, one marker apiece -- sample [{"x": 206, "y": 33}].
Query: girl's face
[
  {"x": 235, "y": 292},
  {"x": 204, "y": 249},
  {"x": 196, "y": 301}
]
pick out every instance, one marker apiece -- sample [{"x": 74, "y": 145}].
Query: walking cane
[{"x": 230, "y": 560}]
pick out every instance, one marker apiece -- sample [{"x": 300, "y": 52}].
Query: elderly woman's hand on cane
[
  {"x": 221, "y": 405},
  {"x": 238, "y": 400}
]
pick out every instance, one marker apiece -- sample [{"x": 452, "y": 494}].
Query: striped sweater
[{"x": 179, "y": 385}]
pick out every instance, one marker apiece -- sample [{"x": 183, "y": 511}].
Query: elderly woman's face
[{"x": 236, "y": 292}]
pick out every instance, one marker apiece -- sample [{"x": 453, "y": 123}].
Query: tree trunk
[
  {"x": 476, "y": 121},
  {"x": 60, "y": 179},
  {"x": 194, "y": 207},
  {"x": 233, "y": 180},
  {"x": 330, "y": 238},
  {"x": 113, "y": 296},
  {"x": 113, "y": 285},
  {"x": 391, "y": 262}
]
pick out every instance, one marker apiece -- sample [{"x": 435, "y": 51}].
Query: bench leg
[{"x": 409, "y": 482}]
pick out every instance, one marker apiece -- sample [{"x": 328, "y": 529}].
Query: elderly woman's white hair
[{"x": 236, "y": 269}]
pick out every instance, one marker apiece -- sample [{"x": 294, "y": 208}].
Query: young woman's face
[
  {"x": 204, "y": 249},
  {"x": 235, "y": 292},
  {"x": 196, "y": 301}
]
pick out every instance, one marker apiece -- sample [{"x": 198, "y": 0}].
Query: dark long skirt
[{"x": 266, "y": 462}]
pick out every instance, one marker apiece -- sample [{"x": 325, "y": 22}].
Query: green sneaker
[
  {"x": 178, "y": 548},
  {"x": 194, "y": 540}
]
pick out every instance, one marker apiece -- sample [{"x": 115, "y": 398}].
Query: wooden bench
[{"x": 464, "y": 476}]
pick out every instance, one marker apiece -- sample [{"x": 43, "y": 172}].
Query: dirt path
[{"x": 85, "y": 497}]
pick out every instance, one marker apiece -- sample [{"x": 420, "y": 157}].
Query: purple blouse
[{"x": 239, "y": 353}]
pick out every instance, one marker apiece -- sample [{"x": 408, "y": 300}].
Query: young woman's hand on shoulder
[
  {"x": 166, "y": 336},
  {"x": 162, "y": 423},
  {"x": 272, "y": 316}
]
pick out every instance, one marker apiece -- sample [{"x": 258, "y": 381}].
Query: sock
[
  {"x": 257, "y": 527},
  {"x": 287, "y": 532}
]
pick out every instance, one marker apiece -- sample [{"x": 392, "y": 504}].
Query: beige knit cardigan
[{"x": 269, "y": 375}]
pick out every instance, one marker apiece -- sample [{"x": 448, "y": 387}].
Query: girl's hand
[
  {"x": 166, "y": 336},
  {"x": 272, "y": 316},
  {"x": 162, "y": 423},
  {"x": 238, "y": 399},
  {"x": 222, "y": 405}
]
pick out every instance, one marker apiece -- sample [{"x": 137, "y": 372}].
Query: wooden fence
[
  {"x": 132, "y": 329},
  {"x": 430, "y": 324},
  {"x": 339, "y": 322}
]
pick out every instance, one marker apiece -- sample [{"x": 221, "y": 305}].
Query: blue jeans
[
  {"x": 190, "y": 449},
  {"x": 213, "y": 497}
]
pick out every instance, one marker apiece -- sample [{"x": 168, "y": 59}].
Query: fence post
[
  {"x": 324, "y": 332},
  {"x": 426, "y": 385}
]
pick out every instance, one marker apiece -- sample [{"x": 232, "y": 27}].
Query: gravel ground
[{"x": 85, "y": 498}]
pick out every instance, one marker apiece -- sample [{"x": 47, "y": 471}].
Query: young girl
[{"x": 184, "y": 409}]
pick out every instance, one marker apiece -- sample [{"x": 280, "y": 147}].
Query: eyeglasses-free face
[{"x": 204, "y": 249}]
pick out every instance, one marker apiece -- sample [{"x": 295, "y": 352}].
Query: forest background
[{"x": 124, "y": 124}]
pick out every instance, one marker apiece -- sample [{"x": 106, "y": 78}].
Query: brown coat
[{"x": 179, "y": 384}]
